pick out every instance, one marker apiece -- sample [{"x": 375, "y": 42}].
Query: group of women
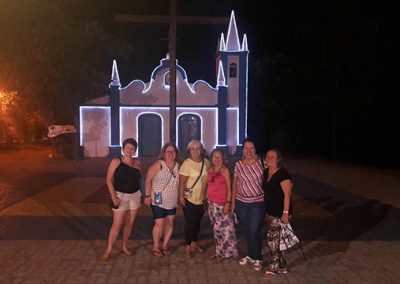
[{"x": 259, "y": 191}]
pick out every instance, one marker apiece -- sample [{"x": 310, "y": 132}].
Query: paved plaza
[{"x": 54, "y": 221}]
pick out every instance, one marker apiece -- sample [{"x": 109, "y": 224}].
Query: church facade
[{"x": 217, "y": 116}]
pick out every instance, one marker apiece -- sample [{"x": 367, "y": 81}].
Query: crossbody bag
[{"x": 188, "y": 191}]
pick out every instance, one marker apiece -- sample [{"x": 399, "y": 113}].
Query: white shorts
[{"x": 129, "y": 201}]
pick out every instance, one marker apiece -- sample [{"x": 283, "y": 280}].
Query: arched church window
[
  {"x": 189, "y": 127},
  {"x": 166, "y": 79},
  {"x": 233, "y": 70}
]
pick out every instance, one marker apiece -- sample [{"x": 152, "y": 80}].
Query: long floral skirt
[
  {"x": 273, "y": 239},
  {"x": 224, "y": 231}
]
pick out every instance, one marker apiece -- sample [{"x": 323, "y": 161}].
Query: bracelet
[
  {"x": 147, "y": 196},
  {"x": 228, "y": 202},
  {"x": 284, "y": 211}
]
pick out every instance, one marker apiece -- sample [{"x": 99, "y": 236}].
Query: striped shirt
[{"x": 249, "y": 179}]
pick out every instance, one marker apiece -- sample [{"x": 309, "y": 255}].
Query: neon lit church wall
[{"x": 215, "y": 115}]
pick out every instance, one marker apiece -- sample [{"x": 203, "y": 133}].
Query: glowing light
[
  {"x": 7, "y": 100},
  {"x": 115, "y": 76},
  {"x": 232, "y": 39},
  {"x": 244, "y": 43},
  {"x": 222, "y": 43},
  {"x": 221, "y": 77}
]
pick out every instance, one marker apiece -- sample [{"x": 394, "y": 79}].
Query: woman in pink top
[{"x": 219, "y": 201}]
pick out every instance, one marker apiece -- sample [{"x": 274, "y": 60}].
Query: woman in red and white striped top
[{"x": 248, "y": 201}]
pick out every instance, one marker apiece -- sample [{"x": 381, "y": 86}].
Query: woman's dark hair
[
  {"x": 164, "y": 148},
  {"x": 278, "y": 156},
  {"x": 248, "y": 140},
  {"x": 129, "y": 141}
]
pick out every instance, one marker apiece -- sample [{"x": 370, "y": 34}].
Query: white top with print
[{"x": 166, "y": 182}]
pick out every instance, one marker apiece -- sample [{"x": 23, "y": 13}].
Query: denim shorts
[{"x": 159, "y": 213}]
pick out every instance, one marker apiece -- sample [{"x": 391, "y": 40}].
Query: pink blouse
[{"x": 217, "y": 188}]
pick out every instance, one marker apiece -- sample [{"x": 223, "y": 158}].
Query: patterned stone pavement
[{"x": 54, "y": 222}]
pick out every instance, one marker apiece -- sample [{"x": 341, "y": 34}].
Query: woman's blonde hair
[
  {"x": 193, "y": 143},
  {"x": 224, "y": 159}
]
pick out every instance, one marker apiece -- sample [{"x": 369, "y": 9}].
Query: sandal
[
  {"x": 269, "y": 275},
  {"x": 157, "y": 253},
  {"x": 257, "y": 264},
  {"x": 126, "y": 251},
  {"x": 188, "y": 253},
  {"x": 283, "y": 270},
  {"x": 197, "y": 248},
  {"x": 217, "y": 259},
  {"x": 105, "y": 257},
  {"x": 166, "y": 252}
]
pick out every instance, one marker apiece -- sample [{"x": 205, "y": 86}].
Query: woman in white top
[{"x": 162, "y": 191}]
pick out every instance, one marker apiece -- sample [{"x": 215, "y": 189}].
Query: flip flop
[
  {"x": 197, "y": 248},
  {"x": 269, "y": 275},
  {"x": 126, "y": 251},
  {"x": 105, "y": 257},
  {"x": 157, "y": 253},
  {"x": 166, "y": 252}
]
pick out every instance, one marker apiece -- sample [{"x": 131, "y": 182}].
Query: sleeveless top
[
  {"x": 126, "y": 178},
  {"x": 166, "y": 183},
  {"x": 249, "y": 179},
  {"x": 217, "y": 188}
]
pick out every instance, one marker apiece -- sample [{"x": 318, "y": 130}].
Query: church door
[
  {"x": 149, "y": 134},
  {"x": 189, "y": 127}
]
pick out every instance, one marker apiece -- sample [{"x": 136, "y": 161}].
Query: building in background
[{"x": 217, "y": 116}]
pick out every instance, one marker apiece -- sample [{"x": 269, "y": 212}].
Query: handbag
[
  {"x": 188, "y": 191},
  {"x": 288, "y": 239}
]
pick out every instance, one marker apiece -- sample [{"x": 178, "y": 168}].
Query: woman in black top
[
  {"x": 123, "y": 182},
  {"x": 277, "y": 186}
]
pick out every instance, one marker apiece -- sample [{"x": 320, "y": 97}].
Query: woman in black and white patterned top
[{"x": 162, "y": 182}]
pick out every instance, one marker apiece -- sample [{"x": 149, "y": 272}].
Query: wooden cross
[{"x": 172, "y": 20}]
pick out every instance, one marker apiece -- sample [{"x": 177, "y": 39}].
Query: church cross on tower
[{"x": 172, "y": 20}]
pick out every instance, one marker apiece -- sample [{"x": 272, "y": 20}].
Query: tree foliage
[{"x": 54, "y": 62}]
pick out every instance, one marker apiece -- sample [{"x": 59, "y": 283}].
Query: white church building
[{"x": 215, "y": 115}]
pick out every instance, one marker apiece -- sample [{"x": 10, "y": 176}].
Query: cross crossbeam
[{"x": 172, "y": 20}]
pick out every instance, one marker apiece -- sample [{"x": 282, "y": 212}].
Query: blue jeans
[{"x": 251, "y": 217}]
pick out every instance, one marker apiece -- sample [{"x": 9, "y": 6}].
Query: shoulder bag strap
[{"x": 201, "y": 171}]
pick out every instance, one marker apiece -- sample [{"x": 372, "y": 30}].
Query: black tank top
[{"x": 126, "y": 178}]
